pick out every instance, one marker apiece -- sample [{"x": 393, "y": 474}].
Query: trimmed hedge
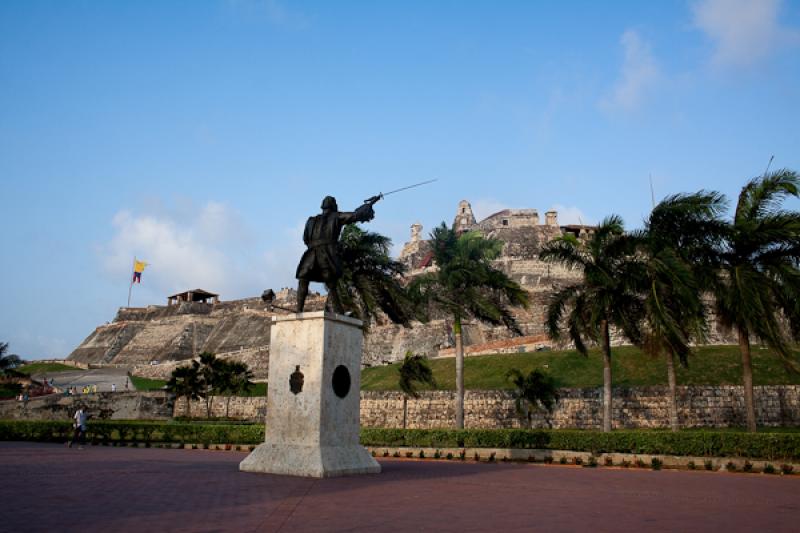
[
  {"x": 774, "y": 446},
  {"x": 109, "y": 432},
  {"x": 784, "y": 446}
]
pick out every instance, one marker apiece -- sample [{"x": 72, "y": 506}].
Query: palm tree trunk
[
  {"x": 405, "y": 411},
  {"x": 607, "y": 398},
  {"x": 459, "y": 373},
  {"x": 227, "y": 406},
  {"x": 673, "y": 397},
  {"x": 747, "y": 378},
  {"x": 188, "y": 401}
]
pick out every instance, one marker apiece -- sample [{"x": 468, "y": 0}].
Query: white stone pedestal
[{"x": 313, "y": 419}]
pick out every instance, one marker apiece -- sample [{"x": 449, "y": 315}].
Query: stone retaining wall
[{"x": 644, "y": 407}]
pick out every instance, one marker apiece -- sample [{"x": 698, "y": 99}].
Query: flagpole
[{"x": 130, "y": 287}]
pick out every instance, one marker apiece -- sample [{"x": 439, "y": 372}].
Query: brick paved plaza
[{"x": 47, "y": 487}]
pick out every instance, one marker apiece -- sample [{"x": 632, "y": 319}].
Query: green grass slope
[
  {"x": 44, "y": 368},
  {"x": 709, "y": 365}
]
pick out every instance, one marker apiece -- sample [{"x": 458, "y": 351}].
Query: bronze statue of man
[{"x": 321, "y": 262}]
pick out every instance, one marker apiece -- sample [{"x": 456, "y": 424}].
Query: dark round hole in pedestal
[{"x": 341, "y": 381}]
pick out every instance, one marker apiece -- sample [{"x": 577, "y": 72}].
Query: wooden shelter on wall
[{"x": 194, "y": 295}]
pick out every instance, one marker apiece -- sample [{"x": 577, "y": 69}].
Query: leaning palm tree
[
  {"x": 533, "y": 392},
  {"x": 466, "y": 285},
  {"x": 414, "y": 369},
  {"x": 677, "y": 247},
  {"x": 607, "y": 295},
  {"x": 371, "y": 282},
  {"x": 758, "y": 291},
  {"x": 185, "y": 382}
]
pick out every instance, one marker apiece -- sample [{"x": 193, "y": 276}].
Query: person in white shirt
[{"x": 80, "y": 428}]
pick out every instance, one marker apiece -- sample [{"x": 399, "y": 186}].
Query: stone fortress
[{"x": 155, "y": 339}]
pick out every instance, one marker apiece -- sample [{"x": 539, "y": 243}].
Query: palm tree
[
  {"x": 8, "y": 362},
  {"x": 606, "y": 296},
  {"x": 236, "y": 378},
  {"x": 677, "y": 247},
  {"x": 211, "y": 372},
  {"x": 534, "y": 392},
  {"x": 371, "y": 281},
  {"x": 415, "y": 368},
  {"x": 185, "y": 382},
  {"x": 758, "y": 291},
  {"x": 465, "y": 285}
]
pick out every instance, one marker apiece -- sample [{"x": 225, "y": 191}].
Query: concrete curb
[{"x": 717, "y": 464}]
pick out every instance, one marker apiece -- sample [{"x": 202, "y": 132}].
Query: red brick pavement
[{"x": 47, "y": 487}]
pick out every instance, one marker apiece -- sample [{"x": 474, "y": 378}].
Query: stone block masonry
[{"x": 634, "y": 408}]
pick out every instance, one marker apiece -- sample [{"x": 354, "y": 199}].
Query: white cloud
[
  {"x": 639, "y": 74},
  {"x": 743, "y": 31},
  {"x": 484, "y": 207},
  {"x": 570, "y": 215},
  {"x": 205, "y": 247}
]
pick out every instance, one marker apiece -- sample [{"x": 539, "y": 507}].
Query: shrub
[
  {"x": 656, "y": 463},
  {"x": 562, "y": 460},
  {"x": 708, "y": 465},
  {"x": 592, "y": 462},
  {"x": 577, "y": 461},
  {"x": 748, "y": 466},
  {"x": 437, "y": 454},
  {"x": 786, "y": 469},
  {"x": 730, "y": 466},
  {"x": 769, "y": 469},
  {"x": 640, "y": 463},
  {"x": 449, "y": 456},
  {"x": 691, "y": 465},
  {"x": 421, "y": 454},
  {"x": 609, "y": 461}
]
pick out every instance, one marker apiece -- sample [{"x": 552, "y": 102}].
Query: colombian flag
[{"x": 138, "y": 268}]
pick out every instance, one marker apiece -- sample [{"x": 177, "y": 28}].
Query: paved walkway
[
  {"x": 47, "y": 487},
  {"x": 102, "y": 377}
]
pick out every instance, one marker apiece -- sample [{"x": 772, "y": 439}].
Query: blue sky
[{"x": 200, "y": 135}]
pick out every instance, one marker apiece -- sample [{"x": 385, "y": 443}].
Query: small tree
[
  {"x": 415, "y": 369},
  {"x": 534, "y": 392},
  {"x": 236, "y": 378},
  {"x": 185, "y": 382},
  {"x": 8, "y": 362}
]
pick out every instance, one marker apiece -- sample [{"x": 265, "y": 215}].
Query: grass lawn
[
  {"x": 709, "y": 365},
  {"x": 145, "y": 384},
  {"x": 44, "y": 368}
]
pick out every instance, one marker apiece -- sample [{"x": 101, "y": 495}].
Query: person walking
[
  {"x": 79, "y": 425},
  {"x": 113, "y": 387}
]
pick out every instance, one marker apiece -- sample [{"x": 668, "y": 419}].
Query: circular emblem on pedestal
[{"x": 341, "y": 381}]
